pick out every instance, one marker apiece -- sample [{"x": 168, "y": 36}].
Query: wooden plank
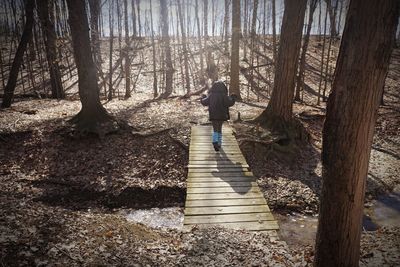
[
  {"x": 225, "y": 210},
  {"x": 205, "y": 158},
  {"x": 216, "y": 160},
  {"x": 250, "y": 226},
  {"x": 220, "y": 174},
  {"x": 221, "y": 179},
  {"x": 238, "y": 189},
  {"x": 226, "y": 218},
  {"x": 222, "y": 152},
  {"x": 218, "y": 165},
  {"x": 221, "y": 184},
  {"x": 225, "y": 202},
  {"x": 223, "y": 195},
  {"x": 216, "y": 171},
  {"x": 210, "y": 145}
]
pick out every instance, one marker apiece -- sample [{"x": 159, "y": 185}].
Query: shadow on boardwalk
[{"x": 232, "y": 172}]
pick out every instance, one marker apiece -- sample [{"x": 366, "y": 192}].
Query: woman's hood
[{"x": 219, "y": 88}]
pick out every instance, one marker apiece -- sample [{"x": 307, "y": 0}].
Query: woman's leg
[
  {"x": 217, "y": 127},
  {"x": 219, "y": 131}
]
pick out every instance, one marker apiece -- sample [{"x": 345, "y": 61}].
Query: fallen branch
[
  {"x": 149, "y": 133},
  {"x": 179, "y": 142}
]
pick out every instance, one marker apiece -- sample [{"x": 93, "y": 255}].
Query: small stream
[
  {"x": 165, "y": 218},
  {"x": 295, "y": 228}
]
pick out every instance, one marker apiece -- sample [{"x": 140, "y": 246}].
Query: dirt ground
[{"x": 61, "y": 196}]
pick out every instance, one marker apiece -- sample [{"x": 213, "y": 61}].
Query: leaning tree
[
  {"x": 93, "y": 115},
  {"x": 16, "y": 64},
  {"x": 363, "y": 62}
]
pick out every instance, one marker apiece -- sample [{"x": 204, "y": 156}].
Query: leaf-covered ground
[{"x": 61, "y": 196}]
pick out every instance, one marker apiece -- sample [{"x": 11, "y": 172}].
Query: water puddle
[
  {"x": 165, "y": 218},
  {"x": 298, "y": 229},
  {"x": 385, "y": 211}
]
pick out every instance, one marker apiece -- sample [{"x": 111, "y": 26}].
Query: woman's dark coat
[{"x": 218, "y": 102}]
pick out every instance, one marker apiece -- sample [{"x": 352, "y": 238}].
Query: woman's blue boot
[
  {"x": 215, "y": 141},
  {"x": 219, "y": 140}
]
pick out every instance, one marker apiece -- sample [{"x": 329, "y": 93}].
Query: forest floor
[{"x": 64, "y": 199}]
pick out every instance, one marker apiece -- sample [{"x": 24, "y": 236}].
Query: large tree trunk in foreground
[
  {"x": 46, "y": 15},
  {"x": 169, "y": 71},
  {"x": 362, "y": 64},
  {"x": 26, "y": 36},
  {"x": 234, "y": 86},
  {"x": 280, "y": 105},
  {"x": 92, "y": 114}
]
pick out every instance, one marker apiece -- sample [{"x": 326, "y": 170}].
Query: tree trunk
[
  {"x": 155, "y": 90},
  {"x": 138, "y": 17},
  {"x": 94, "y": 31},
  {"x": 332, "y": 16},
  {"x": 253, "y": 39},
  {"x": 234, "y": 86},
  {"x": 169, "y": 69},
  {"x": 92, "y": 115},
  {"x": 46, "y": 15},
  {"x": 274, "y": 31},
  {"x": 26, "y": 36},
  {"x": 226, "y": 25},
  {"x": 133, "y": 18},
  {"x": 362, "y": 64},
  {"x": 185, "y": 51},
  {"x": 199, "y": 37},
  {"x": 127, "y": 51},
  {"x": 300, "y": 77},
  {"x": 321, "y": 75},
  {"x": 110, "y": 67},
  {"x": 280, "y": 105}
]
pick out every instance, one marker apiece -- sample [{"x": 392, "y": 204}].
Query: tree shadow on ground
[{"x": 120, "y": 170}]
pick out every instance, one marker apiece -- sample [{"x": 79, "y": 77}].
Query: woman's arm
[{"x": 205, "y": 100}]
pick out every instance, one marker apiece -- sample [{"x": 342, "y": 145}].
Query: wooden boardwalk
[{"x": 221, "y": 190}]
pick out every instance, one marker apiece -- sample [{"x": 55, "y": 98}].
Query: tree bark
[
  {"x": 332, "y": 16},
  {"x": 300, "y": 77},
  {"x": 111, "y": 50},
  {"x": 26, "y": 36},
  {"x": 363, "y": 61},
  {"x": 280, "y": 105},
  {"x": 127, "y": 51},
  {"x": 92, "y": 114},
  {"x": 46, "y": 15},
  {"x": 199, "y": 37},
  {"x": 95, "y": 10},
  {"x": 226, "y": 25},
  {"x": 185, "y": 51},
  {"x": 155, "y": 90},
  {"x": 274, "y": 31},
  {"x": 169, "y": 69},
  {"x": 234, "y": 87},
  {"x": 138, "y": 17}
]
